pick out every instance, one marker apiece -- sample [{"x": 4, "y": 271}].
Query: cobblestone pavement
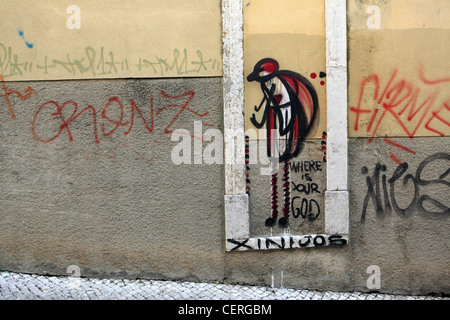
[{"x": 18, "y": 286}]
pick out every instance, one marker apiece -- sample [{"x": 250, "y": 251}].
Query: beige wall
[
  {"x": 398, "y": 68},
  {"x": 44, "y": 40},
  {"x": 293, "y": 33}
]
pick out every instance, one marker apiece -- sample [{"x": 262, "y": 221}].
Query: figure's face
[
  {"x": 269, "y": 67},
  {"x": 263, "y": 68}
]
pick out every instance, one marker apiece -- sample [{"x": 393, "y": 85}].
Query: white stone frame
[{"x": 236, "y": 202}]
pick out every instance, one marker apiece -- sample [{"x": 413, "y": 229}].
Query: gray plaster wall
[
  {"x": 307, "y": 181},
  {"x": 120, "y": 207},
  {"x": 408, "y": 243},
  {"x": 407, "y": 234}
]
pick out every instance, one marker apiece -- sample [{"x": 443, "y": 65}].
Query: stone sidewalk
[{"x": 19, "y": 286}]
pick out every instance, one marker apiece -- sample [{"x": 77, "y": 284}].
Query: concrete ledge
[
  {"x": 337, "y": 212},
  {"x": 336, "y": 199},
  {"x": 237, "y": 224},
  {"x": 286, "y": 242}
]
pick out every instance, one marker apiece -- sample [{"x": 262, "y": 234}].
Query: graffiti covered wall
[
  {"x": 397, "y": 89},
  {"x": 111, "y": 144},
  {"x": 285, "y": 115},
  {"x": 399, "y": 94},
  {"x": 399, "y": 123},
  {"x": 94, "y": 168},
  {"x": 111, "y": 39}
]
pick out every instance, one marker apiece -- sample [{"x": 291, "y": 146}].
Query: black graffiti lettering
[
  {"x": 418, "y": 200},
  {"x": 425, "y": 163},
  {"x": 422, "y": 199},
  {"x": 290, "y": 242},
  {"x": 314, "y": 187},
  {"x": 301, "y": 206},
  {"x": 440, "y": 181},
  {"x": 306, "y": 166},
  {"x": 322, "y": 241},
  {"x": 306, "y": 243},
  {"x": 387, "y": 204},
  {"x": 336, "y": 240},
  {"x": 239, "y": 244},
  {"x": 308, "y": 188},
  {"x": 283, "y": 243},
  {"x": 296, "y": 211},
  {"x": 308, "y": 209},
  {"x": 313, "y": 216},
  {"x": 413, "y": 203},
  {"x": 270, "y": 241},
  {"x": 373, "y": 192}
]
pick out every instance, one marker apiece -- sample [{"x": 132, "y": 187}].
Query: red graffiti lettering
[
  {"x": 64, "y": 123},
  {"x": 134, "y": 108},
  {"x": 183, "y": 107},
  {"x": 428, "y": 81},
  {"x": 411, "y": 106},
  {"x": 436, "y": 115},
  {"x": 105, "y": 116},
  {"x": 8, "y": 92},
  {"x": 112, "y": 116}
]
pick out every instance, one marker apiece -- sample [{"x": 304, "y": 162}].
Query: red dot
[
  {"x": 322, "y": 83},
  {"x": 313, "y": 75}
]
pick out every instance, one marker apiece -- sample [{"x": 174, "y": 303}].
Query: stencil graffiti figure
[{"x": 290, "y": 106}]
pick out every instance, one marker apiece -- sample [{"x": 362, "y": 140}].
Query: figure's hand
[
  {"x": 256, "y": 123},
  {"x": 260, "y": 105}
]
